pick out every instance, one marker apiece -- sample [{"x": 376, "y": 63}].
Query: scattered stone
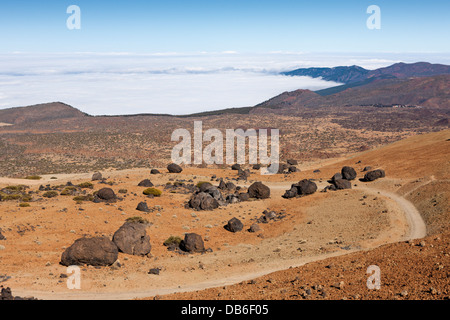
[
  {"x": 234, "y": 225},
  {"x": 192, "y": 243},
  {"x": 174, "y": 168},
  {"x": 244, "y": 196},
  {"x": 142, "y": 206},
  {"x": 254, "y": 228},
  {"x": 145, "y": 183},
  {"x": 259, "y": 191},
  {"x": 154, "y": 271},
  {"x": 154, "y": 171},
  {"x": 97, "y": 176},
  {"x": 236, "y": 166}
]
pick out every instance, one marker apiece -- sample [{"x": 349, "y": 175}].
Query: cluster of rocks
[
  {"x": 207, "y": 197},
  {"x": 192, "y": 243},
  {"x": 181, "y": 186},
  {"x": 6, "y": 295},
  {"x": 269, "y": 216},
  {"x": 342, "y": 180},
  {"x": 131, "y": 238},
  {"x": 235, "y": 225},
  {"x": 302, "y": 188}
]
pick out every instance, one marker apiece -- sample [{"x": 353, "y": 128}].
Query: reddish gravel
[{"x": 412, "y": 270}]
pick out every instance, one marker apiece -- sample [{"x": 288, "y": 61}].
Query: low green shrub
[{"x": 152, "y": 191}]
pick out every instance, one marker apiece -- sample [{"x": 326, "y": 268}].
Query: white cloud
[{"x": 176, "y": 83}]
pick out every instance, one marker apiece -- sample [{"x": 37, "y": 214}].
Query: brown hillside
[{"x": 40, "y": 112}]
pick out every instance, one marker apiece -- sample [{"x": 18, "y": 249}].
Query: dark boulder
[
  {"x": 132, "y": 238},
  {"x": 243, "y": 174},
  {"x": 292, "y": 169},
  {"x": 348, "y": 173},
  {"x": 259, "y": 191},
  {"x": 2, "y": 237},
  {"x": 106, "y": 194},
  {"x": 236, "y": 166},
  {"x": 244, "y": 196},
  {"x": 174, "y": 168},
  {"x": 337, "y": 176},
  {"x": 234, "y": 225},
  {"x": 97, "y": 176},
  {"x": 374, "y": 175},
  {"x": 341, "y": 184},
  {"x": 232, "y": 198},
  {"x": 305, "y": 187},
  {"x": 254, "y": 228},
  {"x": 291, "y": 193},
  {"x": 142, "y": 206},
  {"x": 154, "y": 171},
  {"x": 256, "y": 166},
  {"x": 292, "y": 162},
  {"x": 192, "y": 243},
  {"x": 145, "y": 183},
  {"x": 99, "y": 251},
  {"x": 205, "y": 186}
]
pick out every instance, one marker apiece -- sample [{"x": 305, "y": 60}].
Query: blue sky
[{"x": 223, "y": 25}]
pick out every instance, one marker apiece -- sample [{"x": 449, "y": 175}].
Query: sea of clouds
[{"x": 167, "y": 83}]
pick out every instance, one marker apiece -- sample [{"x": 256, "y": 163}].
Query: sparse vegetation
[
  {"x": 86, "y": 185},
  {"x": 50, "y": 194},
  {"x": 138, "y": 220},
  {"x": 35, "y": 177},
  {"x": 152, "y": 191},
  {"x": 172, "y": 240}
]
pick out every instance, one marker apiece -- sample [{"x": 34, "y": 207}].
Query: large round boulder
[
  {"x": 192, "y": 243},
  {"x": 341, "y": 184},
  {"x": 374, "y": 175},
  {"x": 234, "y": 225},
  {"x": 305, "y": 187},
  {"x": 132, "y": 238},
  {"x": 348, "y": 173},
  {"x": 106, "y": 194},
  {"x": 259, "y": 191},
  {"x": 174, "y": 168},
  {"x": 98, "y": 251}
]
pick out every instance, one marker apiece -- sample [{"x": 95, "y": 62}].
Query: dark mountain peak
[{"x": 356, "y": 74}]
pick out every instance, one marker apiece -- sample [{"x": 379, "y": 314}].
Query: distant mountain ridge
[
  {"x": 355, "y": 74},
  {"x": 40, "y": 112},
  {"x": 433, "y": 92}
]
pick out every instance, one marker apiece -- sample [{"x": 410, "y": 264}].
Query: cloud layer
[{"x": 124, "y": 83}]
